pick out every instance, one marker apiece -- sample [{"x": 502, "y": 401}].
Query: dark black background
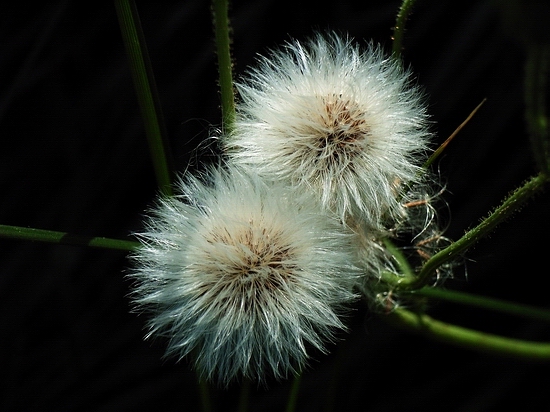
[{"x": 73, "y": 157}]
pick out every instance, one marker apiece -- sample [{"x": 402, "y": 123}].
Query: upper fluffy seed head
[
  {"x": 237, "y": 272},
  {"x": 331, "y": 118}
]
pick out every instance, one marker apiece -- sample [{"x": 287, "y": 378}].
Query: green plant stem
[
  {"x": 50, "y": 236},
  {"x": 516, "y": 200},
  {"x": 400, "y": 258},
  {"x": 293, "y": 397},
  {"x": 145, "y": 87},
  {"x": 484, "y": 302},
  {"x": 471, "y": 339},
  {"x": 537, "y": 70},
  {"x": 399, "y": 29},
  {"x": 225, "y": 63}
]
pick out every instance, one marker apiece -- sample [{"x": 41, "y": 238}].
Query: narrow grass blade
[
  {"x": 145, "y": 87},
  {"x": 51, "y": 236}
]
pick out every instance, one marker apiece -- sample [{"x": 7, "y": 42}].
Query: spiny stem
[
  {"x": 399, "y": 29},
  {"x": 144, "y": 84},
  {"x": 471, "y": 339},
  {"x": 225, "y": 63},
  {"x": 51, "y": 236},
  {"x": 516, "y": 200}
]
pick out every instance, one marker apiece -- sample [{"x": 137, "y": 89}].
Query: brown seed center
[{"x": 342, "y": 125}]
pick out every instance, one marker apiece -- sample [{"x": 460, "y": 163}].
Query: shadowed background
[{"x": 73, "y": 157}]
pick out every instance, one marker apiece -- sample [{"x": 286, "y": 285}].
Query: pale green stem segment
[
  {"x": 50, "y": 236},
  {"x": 512, "y": 204},
  {"x": 293, "y": 397},
  {"x": 537, "y": 70},
  {"x": 401, "y": 260},
  {"x": 392, "y": 280},
  {"x": 484, "y": 302},
  {"x": 399, "y": 29},
  {"x": 225, "y": 62},
  {"x": 471, "y": 339},
  {"x": 145, "y": 87}
]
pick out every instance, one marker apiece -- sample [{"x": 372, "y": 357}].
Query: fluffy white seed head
[
  {"x": 331, "y": 118},
  {"x": 243, "y": 275}
]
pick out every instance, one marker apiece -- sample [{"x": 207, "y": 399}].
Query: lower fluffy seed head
[
  {"x": 331, "y": 118},
  {"x": 242, "y": 275}
]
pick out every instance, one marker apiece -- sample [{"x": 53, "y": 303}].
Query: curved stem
[
  {"x": 401, "y": 260},
  {"x": 471, "y": 339},
  {"x": 516, "y": 200},
  {"x": 51, "y": 236}
]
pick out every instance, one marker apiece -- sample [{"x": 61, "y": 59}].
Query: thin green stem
[
  {"x": 293, "y": 397},
  {"x": 516, "y": 200},
  {"x": 484, "y": 302},
  {"x": 399, "y": 257},
  {"x": 536, "y": 85},
  {"x": 225, "y": 62},
  {"x": 51, "y": 236},
  {"x": 399, "y": 29},
  {"x": 471, "y": 339},
  {"x": 145, "y": 87}
]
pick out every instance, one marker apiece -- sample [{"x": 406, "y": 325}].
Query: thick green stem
[
  {"x": 399, "y": 29},
  {"x": 512, "y": 204},
  {"x": 225, "y": 63},
  {"x": 484, "y": 302},
  {"x": 145, "y": 87},
  {"x": 50, "y": 236},
  {"x": 471, "y": 339}
]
